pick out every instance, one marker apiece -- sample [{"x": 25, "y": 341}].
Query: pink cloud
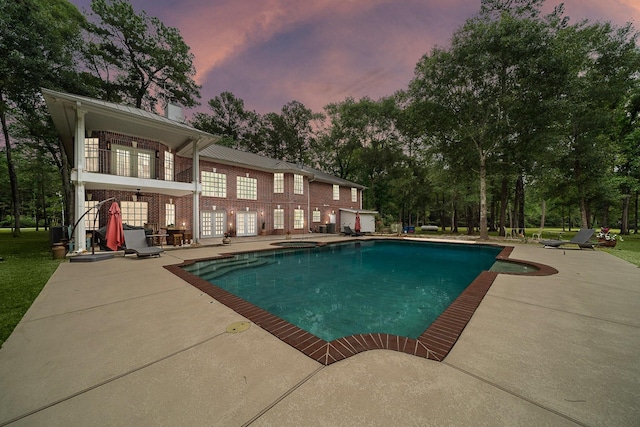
[{"x": 269, "y": 52}]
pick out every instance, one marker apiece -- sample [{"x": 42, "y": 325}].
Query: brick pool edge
[{"x": 434, "y": 343}]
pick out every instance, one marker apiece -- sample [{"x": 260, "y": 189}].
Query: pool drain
[{"x": 237, "y": 327}]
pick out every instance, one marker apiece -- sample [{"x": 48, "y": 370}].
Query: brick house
[{"x": 166, "y": 174}]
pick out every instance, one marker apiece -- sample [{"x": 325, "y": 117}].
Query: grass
[
  {"x": 25, "y": 268},
  {"x": 628, "y": 248}
]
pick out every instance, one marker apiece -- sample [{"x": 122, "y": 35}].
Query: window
[
  {"x": 91, "y": 154},
  {"x": 123, "y": 162},
  {"x": 89, "y": 223},
  {"x": 298, "y": 187},
  {"x": 278, "y": 182},
  {"x": 278, "y": 219},
  {"x": 144, "y": 165},
  {"x": 336, "y": 192},
  {"x": 134, "y": 213},
  {"x": 129, "y": 161},
  {"x": 214, "y": 184},
  {"x": 168, "y": 166},
  {"x": 298, "y": 219},
  {"x": 316, "y": 216},
  {"x": 247, "y": 188},
  {"x": 354, "y": 194},
  {"x": 169, "y": 214}
]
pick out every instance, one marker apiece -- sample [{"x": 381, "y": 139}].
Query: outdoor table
[{"x": 156, "y": 239}]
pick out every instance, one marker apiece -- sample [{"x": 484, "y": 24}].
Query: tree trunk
[
  {"x": 503, "y": 208},
  {"x": 13, "y": 178},
  {"x": 443, "y": 214},
  {"x": 520, "y": 191},
  {"x": 454, "y": 218},
  {"x": 635, "y": 226},
  {"x": 624, "y": 227},
  {"x": 484, "y": 232},
  {"x": 584, "y": 218}
]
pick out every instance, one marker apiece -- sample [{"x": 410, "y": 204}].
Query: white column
[
  {"x": 195, "y": 229},
  {"x": 79, "y": 165}
]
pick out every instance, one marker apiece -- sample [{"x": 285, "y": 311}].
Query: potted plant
[
  {"x": 226, "y": 240},
  {"x": 263, "y": 232},
  {"x": 288, "y": 234},
  {"x": 606, "y": 238}
]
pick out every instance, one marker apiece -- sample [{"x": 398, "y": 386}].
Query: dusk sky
[{"x": 270, "y": 52}]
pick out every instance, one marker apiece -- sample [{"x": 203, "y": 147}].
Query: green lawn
[
  {"x": 25, "y": 268},
  {"x": 628, "y": 248}
]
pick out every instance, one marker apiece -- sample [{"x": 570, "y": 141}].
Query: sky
[{"x": 271, "y": 52}]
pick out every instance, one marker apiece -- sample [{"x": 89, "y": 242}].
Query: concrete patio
[{"x": 125, "y": 342}]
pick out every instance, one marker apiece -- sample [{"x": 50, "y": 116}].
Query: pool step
[{"x": 222, "y": 267}]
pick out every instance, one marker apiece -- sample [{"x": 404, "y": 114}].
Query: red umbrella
[
  {"x": 357, "y": 222},
  {"x": 115, "y": 233}
]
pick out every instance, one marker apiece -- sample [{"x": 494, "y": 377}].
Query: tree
[
  {"x": 29, "y": 62},
  {"x": 290, "y": 135},
  {"x": 138, "y": 59},
  {"x": 602, "y": 61},
  {"x": 231, "y": 120},
  {"x": 481, "y": 96},
  {"x": 627, "y": 134}
]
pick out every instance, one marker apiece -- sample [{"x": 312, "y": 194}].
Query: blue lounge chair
[{"x": 581, "y": 239}]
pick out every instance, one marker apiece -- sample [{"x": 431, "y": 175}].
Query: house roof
[
  {"x": 231, "y": 156},
  {"x": 359, "y": 211},
  {"x": 109, "y": 116}
]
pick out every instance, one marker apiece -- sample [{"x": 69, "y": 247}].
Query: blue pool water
[{"x": 393, "y": 287}]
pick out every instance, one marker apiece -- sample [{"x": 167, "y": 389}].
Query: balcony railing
[{"x": 106, "y": 162}]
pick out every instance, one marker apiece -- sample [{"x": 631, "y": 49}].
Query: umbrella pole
[{"x": 96, "y": 207}]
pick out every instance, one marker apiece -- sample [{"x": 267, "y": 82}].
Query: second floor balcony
[{"x": 135, "y": 164}]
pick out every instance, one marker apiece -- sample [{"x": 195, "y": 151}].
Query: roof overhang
[
  {"x": 360, "y": 211},
  {"x": 108, "y": 116}
]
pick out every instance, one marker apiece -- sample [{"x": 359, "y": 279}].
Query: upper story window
[
  {"x": 298, "y": 187},
  {"x": 144, "y": 165},
  {"x": 168, "y": 166},
  {"x": 91, "y": 154},
  {"x": 336, "y": 192},
  {"x": 214, "y": 184},
  {"x": 129, "y": 161},
  {"x": 354, "y": 194},
  {"x": 278, "y": 182},
  {"x": 247, "y": 188}
]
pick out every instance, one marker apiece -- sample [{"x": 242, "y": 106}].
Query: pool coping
[{"x": 434, "y": 343}]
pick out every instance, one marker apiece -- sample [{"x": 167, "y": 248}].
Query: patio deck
[{"x": 125, "y": 342}]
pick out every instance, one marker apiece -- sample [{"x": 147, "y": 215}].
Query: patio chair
[
  {"x": 349, "y": 232},
  {"x": 581, "y": 239},
  {"x": 136, "y": 243}
]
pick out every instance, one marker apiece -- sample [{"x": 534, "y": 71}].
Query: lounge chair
[
  {"x": 581, "y": 239},
  {"x": 349, "y": 232},
  {"x": 136, "y": 243}
]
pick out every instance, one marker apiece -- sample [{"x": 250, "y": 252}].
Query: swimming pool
[
  {"x": 389, "y": 287},
  {"x": 434, "y": 342}
]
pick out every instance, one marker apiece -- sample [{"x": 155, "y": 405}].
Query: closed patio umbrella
[
  {"x": 115, "y": 233},
  {"x": 357, "y": 227}
]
